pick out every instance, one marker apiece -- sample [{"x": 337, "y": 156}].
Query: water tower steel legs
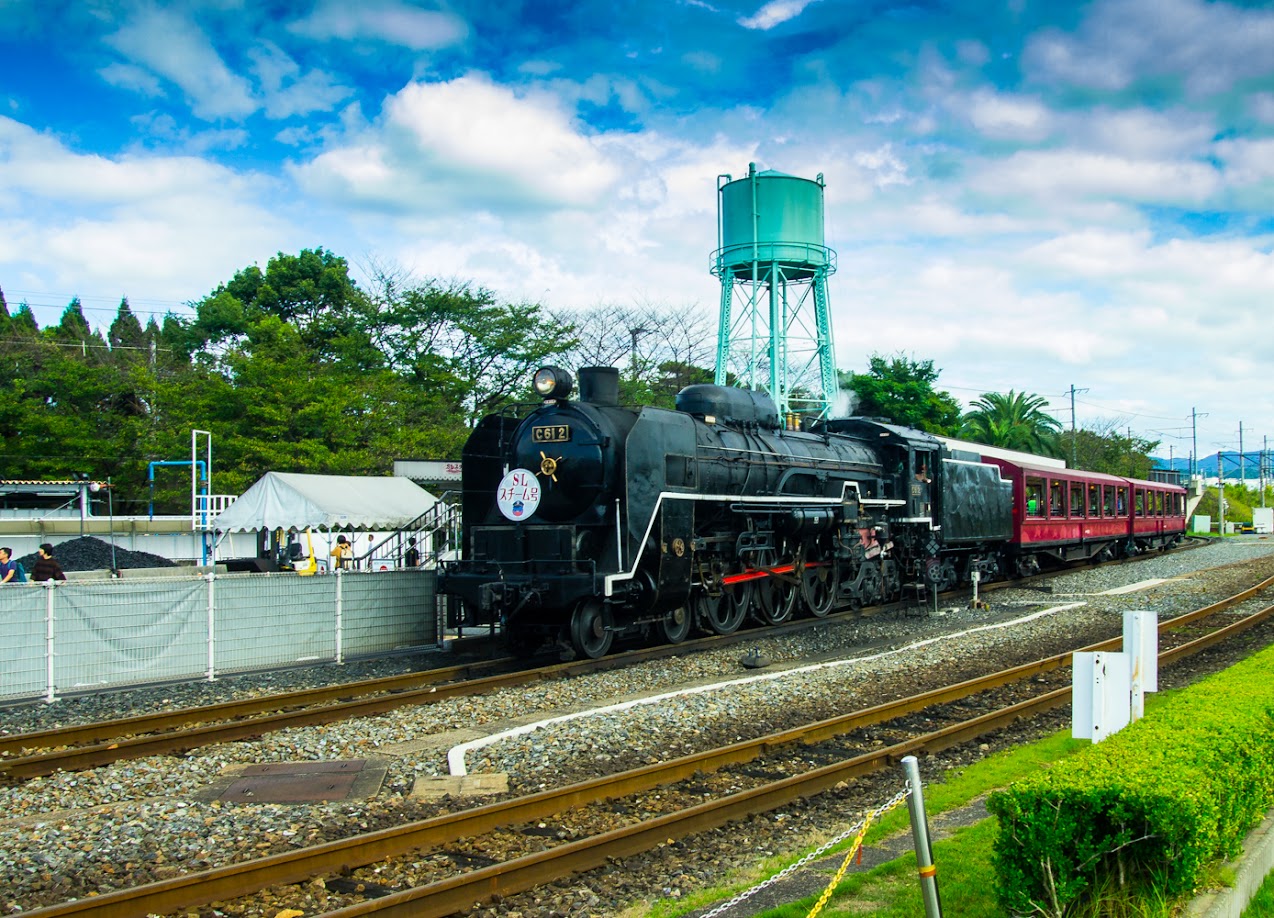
[{"x": 771, "y": 246}]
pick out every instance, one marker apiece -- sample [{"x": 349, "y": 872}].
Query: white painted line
[
  {"x": 456, "y": 756},
  {"x": 1134, "y": 587}
]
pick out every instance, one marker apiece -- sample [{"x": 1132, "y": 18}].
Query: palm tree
[{"x": 1014, "y": 421}]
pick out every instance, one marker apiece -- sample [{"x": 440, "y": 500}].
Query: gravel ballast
[{"x": 71, "y": 834}]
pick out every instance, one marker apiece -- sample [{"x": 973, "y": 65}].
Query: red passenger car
[{"x": 1067, "y": 514}]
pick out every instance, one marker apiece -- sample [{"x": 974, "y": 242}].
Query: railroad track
[
  {"x": 1046, "y": 680},
  {"x": 31, "y": 755}
]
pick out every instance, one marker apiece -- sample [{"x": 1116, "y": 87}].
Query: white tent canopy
[{"x": 288, "y": 500}]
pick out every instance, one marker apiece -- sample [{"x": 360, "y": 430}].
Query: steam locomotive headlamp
[{"x": 552, "y": 382}]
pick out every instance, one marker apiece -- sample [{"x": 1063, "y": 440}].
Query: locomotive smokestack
[{"x": 599, "y": 385}]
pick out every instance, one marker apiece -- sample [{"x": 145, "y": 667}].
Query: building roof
[{"x": 289, "y": 500}]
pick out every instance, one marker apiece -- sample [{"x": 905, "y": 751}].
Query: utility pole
[
  {"x": 1074, "y": 440},
  {"x": 635, "y": 333},
  {"x": 1194, "y": 440},
  {"x": 1242, "y": 459},
  {"x": 1220, "y": 495}
]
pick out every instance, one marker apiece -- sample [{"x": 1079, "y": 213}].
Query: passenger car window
[
  {"x": 1035, "y": 497},
  {"x": 1056, "y": 507}
]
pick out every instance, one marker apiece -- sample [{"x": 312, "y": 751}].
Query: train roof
[
  {"x": 1011, "y": 455},
  {"x": 1078, "y": 474},
  {"x": 877, "y": 429}
]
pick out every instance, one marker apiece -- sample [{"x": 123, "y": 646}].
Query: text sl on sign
[
  {"x": 518, "y": 494},
  {"x": 553, "y": 433}
]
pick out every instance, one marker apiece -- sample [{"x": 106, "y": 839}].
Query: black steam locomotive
[{"x": 584, "y": 520}]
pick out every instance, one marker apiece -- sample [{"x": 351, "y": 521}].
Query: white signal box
[{"x": 1100, "y": 694}]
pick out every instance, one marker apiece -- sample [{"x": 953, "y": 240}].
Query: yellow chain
[{"x": 849, "y": 857}]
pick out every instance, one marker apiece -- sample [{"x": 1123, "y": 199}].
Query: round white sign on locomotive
[{"x": 519, "y": 494}]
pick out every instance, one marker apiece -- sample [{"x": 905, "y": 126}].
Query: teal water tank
[{"x": 769, "y": 217}]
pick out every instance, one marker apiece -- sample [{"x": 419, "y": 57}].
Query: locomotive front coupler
[{"x": 505, "y": 598}]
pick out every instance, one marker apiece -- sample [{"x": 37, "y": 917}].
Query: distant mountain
[{"x": 1207, "y": 465}]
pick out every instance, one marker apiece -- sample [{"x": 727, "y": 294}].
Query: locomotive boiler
[{"x": 585, "y": 520}]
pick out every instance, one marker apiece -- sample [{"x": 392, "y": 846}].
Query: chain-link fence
[{"x": 83, "y": 635}]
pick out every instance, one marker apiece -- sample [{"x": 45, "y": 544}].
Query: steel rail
[
  {"x": 96, "y": 744},
  {"x": 231, "y": 710},
  {"x": 127, "y": 739},
  {"x": 238, "y": 880}
]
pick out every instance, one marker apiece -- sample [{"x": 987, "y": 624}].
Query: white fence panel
[
  {"x": 381, "y": 611},
  {"x": 274, "y": 619},
  {"x": 23, "y": 670},
  {"x": 118, "y": 633}
]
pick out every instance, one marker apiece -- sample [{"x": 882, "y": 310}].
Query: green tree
[
  {"x": 24, "y": 322},
  {"x": 1106, "y": 447},
  {"x": 902, "y": 391},
  {"x": 460, "y": 341},
  {"x": 312, "y": 292},
  {"x": 1013, "y": 421},
  {"x": 126, "y": 331}
]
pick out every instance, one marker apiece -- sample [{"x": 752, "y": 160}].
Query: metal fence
[{"x": 78, "y": 636}]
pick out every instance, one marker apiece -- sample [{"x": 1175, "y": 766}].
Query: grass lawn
[
  {"x": 1262, "y": 904},
  {"x": 966, "y": 880}
]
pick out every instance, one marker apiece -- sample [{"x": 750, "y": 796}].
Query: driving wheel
[
  {"x": 675, "y": 625},
  {"x": 589, "y": 633},
  {"x": 820, "y": 578}
]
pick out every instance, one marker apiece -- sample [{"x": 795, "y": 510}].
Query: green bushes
[{"x": 1151, "y": 805}]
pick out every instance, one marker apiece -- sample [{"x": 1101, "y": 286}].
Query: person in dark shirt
[
  {"x": 8, "y": 567},
  {"x": 46, "y": 568},
  {"x": 411, "y": 558}
]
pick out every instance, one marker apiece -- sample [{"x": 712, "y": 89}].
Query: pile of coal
[{"x": 89, "y": 554}]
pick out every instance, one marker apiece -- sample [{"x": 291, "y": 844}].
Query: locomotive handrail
[{"x": 846, "y": 486}]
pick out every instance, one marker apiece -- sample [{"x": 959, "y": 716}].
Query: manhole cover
[{"x": 300, "y": 782}]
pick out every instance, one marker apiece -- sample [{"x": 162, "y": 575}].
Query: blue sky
[{"x": 1032, "y": 195}]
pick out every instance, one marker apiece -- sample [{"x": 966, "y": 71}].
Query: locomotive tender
[{"x": 584, "y": 519}]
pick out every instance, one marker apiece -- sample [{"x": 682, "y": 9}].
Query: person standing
[
  {"x": 10, "y": 570},
  {"x": 411, "y": 558},
  {"x": 341, "y": 552},
  {"x": 46, "y": 566}
]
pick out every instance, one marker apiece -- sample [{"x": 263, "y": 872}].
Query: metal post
[
  {"x": 1220, "y": 494},
  {"x": 50, "y": 691},
  {"x": 920, "y": 837},
  {"x": 340, "y": 614},
  {"x": 212, "y": 627}
]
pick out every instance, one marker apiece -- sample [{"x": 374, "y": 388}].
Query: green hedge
[{"x": 1154, "y": 803}]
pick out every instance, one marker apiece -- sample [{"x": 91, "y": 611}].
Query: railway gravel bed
[{"x": 75, "y": 834}]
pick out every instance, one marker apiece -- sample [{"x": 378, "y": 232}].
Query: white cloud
[
  {"x": 1058, "y": 175},
  {"x": 289, "y": 92},
  {"x": 134, "y": 79},
  {"x": 174, "y": 48},
  {"x": 1247, "y": 162},
  {"x": 387, "y": 21},
  {"x": 774, "y": 13},
  {"x": 884, "y": 165},
  {"x": 1143, "y": 133},
  {"x": 1261, "y": 105},
  {"x": 1004, "y": 116},
  {"x": 1210, "y": 47},
  {"x": 466, "y": 140},
  {"x": 172, "y": 226}
]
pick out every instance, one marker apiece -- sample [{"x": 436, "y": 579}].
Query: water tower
[{"x": 775, "y": 332}]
